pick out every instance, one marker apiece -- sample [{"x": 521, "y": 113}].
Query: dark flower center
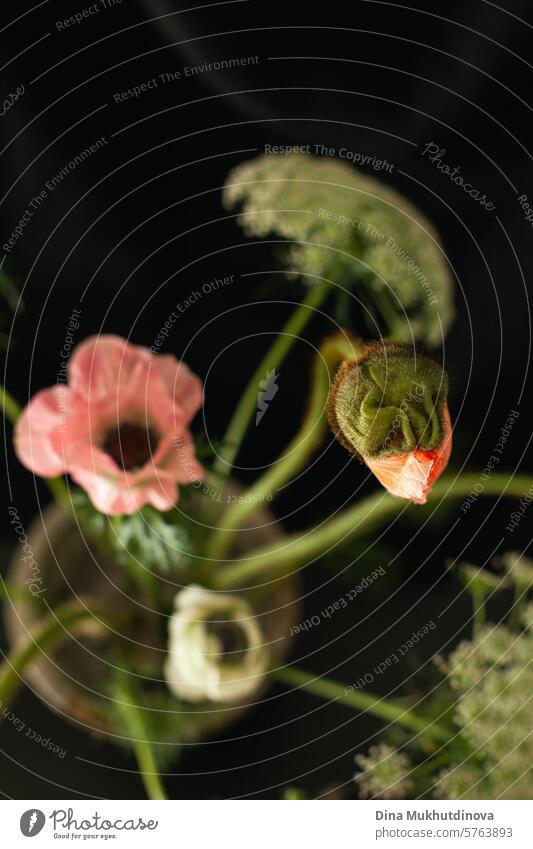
[
  {"x": 130, "y": 445},
  {"x": 232, "y": 640}
]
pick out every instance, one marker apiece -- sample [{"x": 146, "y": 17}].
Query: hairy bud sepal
[{"x": 389, "y": 407}]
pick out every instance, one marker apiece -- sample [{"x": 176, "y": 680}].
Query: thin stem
[
  {"x": 10, "y": 408},
  {"x": 432, "y": 765},
  {"x": 519, "y": 596},
  {"x": 479, "y": 609},
  {"x": 51, "y": 631},
  {"x": 247, "y": 405},
  {"x": 299, "y": 450},
  {"x": 148, "y": 769},
  {"x": 134, "y": 722},
  {"x": 386, "y": 709},
  {"x": 60, "y": 492},
  {"x": 280, "y": 558}
]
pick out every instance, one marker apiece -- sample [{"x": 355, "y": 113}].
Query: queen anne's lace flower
[
  {"x": 350, "y": 228},
  {"x": 487, "y": 697},
  {"x": 384, "y": 773},
  {"x": 492, "y": 678}
]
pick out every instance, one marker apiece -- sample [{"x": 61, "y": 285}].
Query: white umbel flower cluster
[
  {"x": 345, "y": 226},
  {"x": 384, "y": 773},
  {"x": 487, "y": 696}
]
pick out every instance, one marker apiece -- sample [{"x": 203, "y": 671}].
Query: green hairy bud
[{"x": 389, "y": 401}]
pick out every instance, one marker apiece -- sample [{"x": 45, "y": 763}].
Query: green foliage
[
  {"x": 349, "y": 228},
  {"x": 156, "y": 541}
]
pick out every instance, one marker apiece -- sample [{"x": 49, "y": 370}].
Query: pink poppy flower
[
  {"x": 119, "y": 427},
  {"x": 412, "y": 475}
]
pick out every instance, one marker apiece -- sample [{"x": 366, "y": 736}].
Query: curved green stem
[
  {"x": 133, "y": 720},
  {"x": 60, "y": 492},
  {"x": 299, "y": 450},
  {"x": 386, "y": 709},
  {"x": 281, "y": 558},
  {"x": 479, "y": 611},
  {"x": 519, "y": 597},
  {"x": 51, "y": 631},
  {"x": 10, "y": 408},
  {"x": 148, "y": 769},
  {"x": 275, "y": 356}
]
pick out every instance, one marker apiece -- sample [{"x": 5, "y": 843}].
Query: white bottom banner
[{"x": 236, "y": 824}]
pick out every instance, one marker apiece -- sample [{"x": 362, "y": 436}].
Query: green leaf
[{"x": 157, "y": 542}]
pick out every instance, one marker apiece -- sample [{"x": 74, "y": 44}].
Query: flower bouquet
[{"x": 155, "y": 595}]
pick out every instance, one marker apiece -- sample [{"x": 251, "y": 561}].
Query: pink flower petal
[
  {"x": 412, "y": 475},
  {"x": 162, "y": 495},
  {"x": 176, "y": 459},
  {"x": 184, "y": 386},
  {"x": 405, "y": 475},
  {"x": 111, "y": 384},
  {"x": 146, "y": 399},
  {"x": 37, "y": 436},
  {"x": 103, "y": 363},
  {"x": 107, "y": 496}
]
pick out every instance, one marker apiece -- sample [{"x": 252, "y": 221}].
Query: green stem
[
  {"x": 10, "y": 408},
  {"x": 51, "y": 631},
  {"x": 433, "y": 765},
  {"x": 280, "y": 558},
  {"x": 519, "y": 596},
  {"x": 60, "y": 492},
  {"x": 479, "y": 609},
  {"x": 133, "y": 720},
  {"x": 248, "y": 403},
  {"x": 386, "y": 709},
  {"x": 148, "y": 769},
  {"x": 299, "y": 450}
]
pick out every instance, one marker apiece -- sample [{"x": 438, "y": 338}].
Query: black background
[{"x": 141, "y": 225}]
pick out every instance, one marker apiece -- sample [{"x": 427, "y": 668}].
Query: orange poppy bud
[{"x": 389, "y": 407}]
